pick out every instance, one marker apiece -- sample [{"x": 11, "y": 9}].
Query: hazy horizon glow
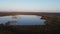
[{"x": 29, "y": 5}]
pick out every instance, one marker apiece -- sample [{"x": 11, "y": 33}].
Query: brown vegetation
[{"x": 52, "y": 26}]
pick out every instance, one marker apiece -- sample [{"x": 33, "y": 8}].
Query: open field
[{"x": 52, "y": 24}]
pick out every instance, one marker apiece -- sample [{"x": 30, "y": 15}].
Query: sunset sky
[{"x": 30, "y": 5}]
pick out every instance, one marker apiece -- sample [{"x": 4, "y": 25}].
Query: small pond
[{"x": 23, "y": 20}]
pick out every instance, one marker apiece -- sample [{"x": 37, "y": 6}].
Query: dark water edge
[{"x": 21, "y": 29}]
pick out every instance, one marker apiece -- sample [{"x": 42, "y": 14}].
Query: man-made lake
[{"x": 23, "y": 20}]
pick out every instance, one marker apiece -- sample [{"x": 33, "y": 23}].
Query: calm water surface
[{"x": 23, "y": 20}]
